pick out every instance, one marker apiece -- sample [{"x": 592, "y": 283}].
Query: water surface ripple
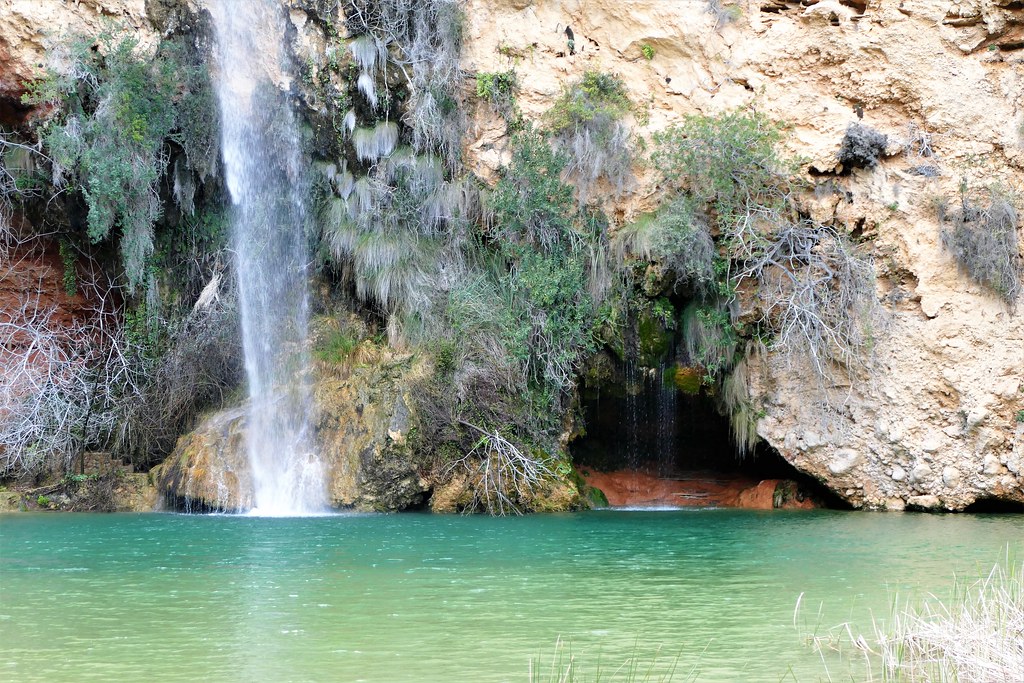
[{"x": 434, "y": 598}]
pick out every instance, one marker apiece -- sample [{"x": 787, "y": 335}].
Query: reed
[
  {"x": 641, "y": 666},
  {"x": 974, "y": 634}
]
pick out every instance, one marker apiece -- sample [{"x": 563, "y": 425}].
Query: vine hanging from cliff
[{"x": 118, "y": 106}]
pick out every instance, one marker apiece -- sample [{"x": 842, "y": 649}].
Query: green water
[{"x": 437, "y": 598}]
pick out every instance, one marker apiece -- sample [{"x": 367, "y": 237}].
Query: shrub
[
  {"x": 118, "y": 116},
  {"x": 394, "y": 226},
  {"x": 336, "y": 347},
  {"x": 678, "y": 237},
  {"x": 585, "y": 124},
  {"x": 982, "y": 237},
  {"x": 118, "y": 106},
  {"x": 816, "y": 291},
  {"x": 813, "y": 290},
  {"x": 112, "y": 380},
  {"x": 428, "y": 38},
  {"x": 723, "y": 14},
  {"x": 862, "y": 147},
  {"x": 974, "y": 634},
  {"x": 499, "y": 89},
  {"x": 519, "y": 320},
  {"x": 549, "y": 244},
  {"x": 729, "y": 161}
]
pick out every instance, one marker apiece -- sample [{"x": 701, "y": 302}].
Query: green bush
[
  {"x": 677, "y": 236},
  {"x": 499, "y": 88},
  {"x": 594, "y": 97},
  {"x": 812, "y": 289},
  {"x": 118, "y": 106},
  {"x": 729, "y": 162},
  {"x": 336, "y": 347},
  {"x": 585, "y": 124},
  {"x": 518, "y": 322},
  {"x": 550, "y": 246},
  {"x": 118, "y": 114}
]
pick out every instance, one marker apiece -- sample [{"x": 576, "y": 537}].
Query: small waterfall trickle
[
  {"x": 268, "y": 186},
  {"x": 666, "y": 419}
]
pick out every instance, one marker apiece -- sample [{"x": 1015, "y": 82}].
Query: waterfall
[{"x": 268, "y": 186}]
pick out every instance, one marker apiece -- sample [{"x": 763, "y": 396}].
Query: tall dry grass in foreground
[
  {"x": 639, "y": 667},
  {"x": 974, "y": 636}
]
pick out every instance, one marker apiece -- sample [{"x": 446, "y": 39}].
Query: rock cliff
[
  {"x": 362, "y": 423},
  {"x": 935, "y": 418}
]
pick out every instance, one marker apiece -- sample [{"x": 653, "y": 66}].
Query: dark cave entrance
[{"x": 649, "y": 444}]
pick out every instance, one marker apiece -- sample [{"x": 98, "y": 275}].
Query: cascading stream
[{"x": 268, "y": 186}]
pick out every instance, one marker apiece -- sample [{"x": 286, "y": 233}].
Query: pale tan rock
[
  {"x": 950, "y": 476},
  {"x": 28, "y": 28},
  {"x": 926, "y": 502},
  {"x": 900, "y": 65},
  {"x": 895, "y": 504},
  {"x": 361, "y": 422}
]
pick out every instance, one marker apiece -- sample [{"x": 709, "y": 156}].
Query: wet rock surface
[
  {"x": 361, "y": 423},
  {"x": 645, "y": 488}
]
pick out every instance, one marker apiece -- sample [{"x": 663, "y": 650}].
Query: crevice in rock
[{"x": 191, "y": 506}]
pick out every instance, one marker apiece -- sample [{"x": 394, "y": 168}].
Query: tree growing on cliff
[{"x": 117, "y": 109}]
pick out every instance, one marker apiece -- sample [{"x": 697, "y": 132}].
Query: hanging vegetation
[
  {"x": 118, "y": 106},
  {"x": 812, "y": 288},
  {"x": 586, "y": 124},
  {"x": 131, "y": 146}
]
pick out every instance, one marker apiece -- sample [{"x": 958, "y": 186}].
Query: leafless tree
[
  {"x": 504, "y": 476},
  {"x": 98, "y": 382},
  {"x": 62, "y": 382}
]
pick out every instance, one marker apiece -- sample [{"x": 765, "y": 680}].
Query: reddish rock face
[
  {"x": 640, "y": 488},
  {"x": 32, "y": 289},
  {"x": 36, "y": 277}
]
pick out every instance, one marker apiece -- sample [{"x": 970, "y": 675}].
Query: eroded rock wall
[
  {"x": 361, "y": 421},
  {"x": 932, "y": 420},
  {"x": 28, "y": 28}
]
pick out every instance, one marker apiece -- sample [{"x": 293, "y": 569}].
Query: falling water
[
  {"x": 266, "y": 179},
  {"x": 665, "y": 419}
]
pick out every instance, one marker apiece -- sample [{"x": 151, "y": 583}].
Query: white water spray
[{"x": 266, "y": 178}]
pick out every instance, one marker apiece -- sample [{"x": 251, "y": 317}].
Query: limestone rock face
[
  {"x": 933, "y": 412},
  {"x": 29, "y": 27},
  {"x": 209, "y": 468},
  {"x": 930, "y": 421},
  {"x": 361, "y": 420}
]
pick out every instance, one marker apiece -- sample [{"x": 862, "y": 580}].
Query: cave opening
[
  {"x": 995, "y": 506},
  {"x": 648, "y": 444}
]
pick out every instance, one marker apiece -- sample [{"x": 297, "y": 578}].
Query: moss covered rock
[{"x": 361, "y": 419}]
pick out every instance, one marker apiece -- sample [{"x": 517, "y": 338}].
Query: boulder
[{"x": 361, "y": 420}]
